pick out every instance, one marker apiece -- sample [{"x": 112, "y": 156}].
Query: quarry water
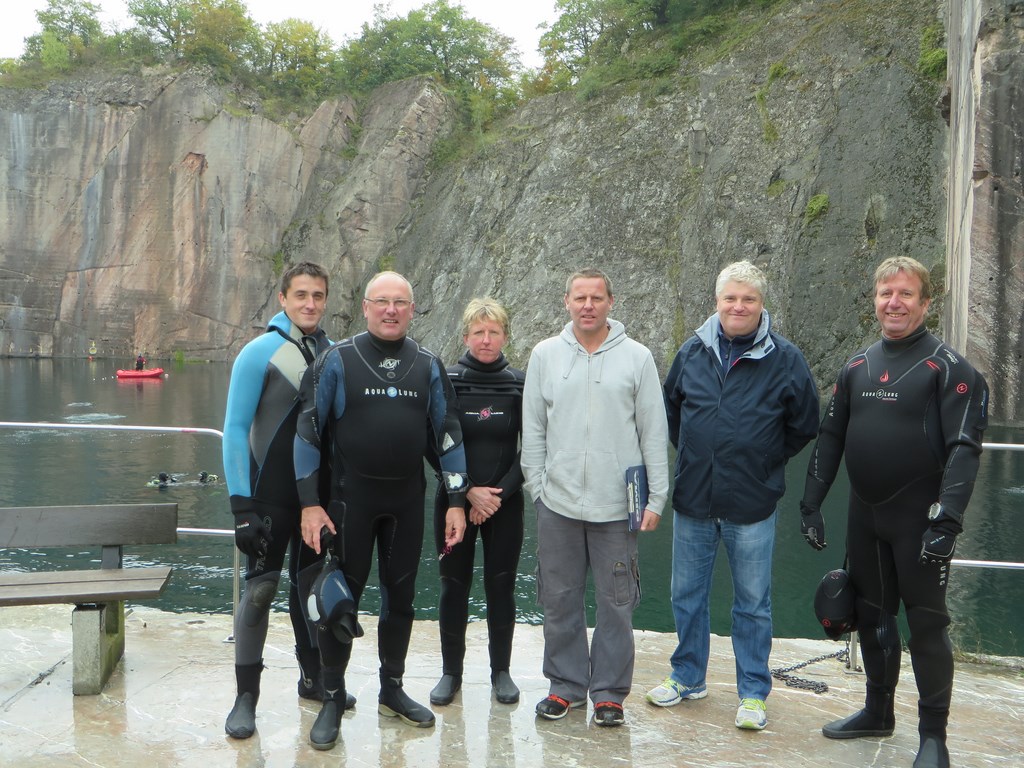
[{"x": 39, "y": 467}]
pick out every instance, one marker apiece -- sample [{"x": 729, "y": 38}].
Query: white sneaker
[
  {"x": 752, "y": 715},
  {"x": 670, "y": 693}
]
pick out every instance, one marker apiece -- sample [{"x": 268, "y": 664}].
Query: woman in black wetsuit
[{"x": 490, "y": 394}]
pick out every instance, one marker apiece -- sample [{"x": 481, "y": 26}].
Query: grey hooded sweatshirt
[{"x": 586, "y": 419}]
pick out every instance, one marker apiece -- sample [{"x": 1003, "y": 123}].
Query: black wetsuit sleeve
[
  {"x": 963, "y": 411},
  {"x": 446, "y": 433},
  {"x": 828, "y": 450},
  {"x": 512, "y": 481},
  {"x": 321, "y": 387}
]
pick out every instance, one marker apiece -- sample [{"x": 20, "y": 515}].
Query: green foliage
[
  {"x": 221, "y": 37},
  {"x": 931, "y": 61},
  {"x": 596, "y": 43},
  {"x": 776, "y": 188},
  {"x": 699, "y": 32},
  {"x": 70, "y": 21},
  {"x": 448, "y": 149},
  {"x": 775, "y": 72},
  {"x": 932, "y": 36},
  {"x": 298, "y": 58},
  {"x": 933, "y": 64},
  {"x": 597, "y": 78},
  {"x": 437, "y": 39},
  {"x": 292, "y": 64},
  {"x": 817, "y": 207},
  {"x": 168, "y": 21},
  {"x": 54, "y": 54},
  {"x": 68, "y": 29},
  {"x": 473, "y": 59},
  {"x": 594, "y": 33},
  {"x": 568, "y": 42}
]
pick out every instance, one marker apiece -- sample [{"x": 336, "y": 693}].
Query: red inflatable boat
[{"x": 145, "y": 373}]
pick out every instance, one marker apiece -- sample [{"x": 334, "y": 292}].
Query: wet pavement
[{"x": 166, "y": 702}]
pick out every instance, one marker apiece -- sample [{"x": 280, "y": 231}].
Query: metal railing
[
  {"x": 236, "y": 579},
  {"x": 851, "y": 663}
]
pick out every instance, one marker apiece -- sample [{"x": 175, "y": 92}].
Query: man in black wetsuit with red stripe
[
  {"x": 908, "y": 412},
  {"x": 372, "y": 403}
]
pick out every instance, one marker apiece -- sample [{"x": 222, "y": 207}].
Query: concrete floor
[{"x": 166, "y": 703}]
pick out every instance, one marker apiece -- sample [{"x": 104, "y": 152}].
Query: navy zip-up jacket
[{"x": 735, "y": 430}]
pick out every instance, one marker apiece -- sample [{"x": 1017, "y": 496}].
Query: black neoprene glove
[
  {"x": 812, "y": 526},
  {"x": 252, "y": 537},
  {"x": 938, "y": 542}
]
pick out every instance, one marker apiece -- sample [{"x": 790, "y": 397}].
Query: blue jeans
[{"x": 749, "y": 550}]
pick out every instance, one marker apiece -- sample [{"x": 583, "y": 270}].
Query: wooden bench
[{"x": 97, "y": 622}]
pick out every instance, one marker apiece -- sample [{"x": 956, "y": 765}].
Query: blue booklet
[{"x": 636, "y": 495}]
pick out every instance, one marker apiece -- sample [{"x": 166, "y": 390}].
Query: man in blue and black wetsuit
[
  {"x": 908, "y": 412},
  {"x": 372, "y": 403},
  {"x": 259, "y": 431}
]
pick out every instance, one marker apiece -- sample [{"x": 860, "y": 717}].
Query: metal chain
[{"x": 818, "y": 686}]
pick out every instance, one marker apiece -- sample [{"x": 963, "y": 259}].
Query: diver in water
[
  {"x": 162, "y": 480},
  {"x": 208, "y": 477}
]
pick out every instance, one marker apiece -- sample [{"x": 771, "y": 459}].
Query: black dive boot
[
  {"x": 324, "y": 733},
  {"x": 932, "y": 753},
  {"x": 878, "y": 718},
  {"x": 394, "y": 702},
  {"x": 241, "y": 722},
  {"x": 505, "y": 689},
  {"x": 880, "y": 649},
  {"x": 445, "y": 690},
  {"x": 310, "y": 684}
]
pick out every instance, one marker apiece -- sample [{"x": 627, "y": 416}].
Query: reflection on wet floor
[{"x": 166, "y": 703}]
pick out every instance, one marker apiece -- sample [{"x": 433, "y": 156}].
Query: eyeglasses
[{"x": 398, "y": 304}]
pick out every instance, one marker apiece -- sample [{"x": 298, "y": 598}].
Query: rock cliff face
[
  {"x": 986, "y": 200},
  {"x": 147, "y": 214},
  {"x": 143, "y": 214},
  {"x": 664, "y": 190}
]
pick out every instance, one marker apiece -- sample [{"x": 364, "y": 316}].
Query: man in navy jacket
[{"x": 741, "y": 402}]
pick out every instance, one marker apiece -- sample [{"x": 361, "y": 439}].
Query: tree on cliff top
[
  {"x": 298, "y": 57},
  {"x": 219, "y": 33},
  {"x": 166, "y": 20},
  {"x": 437, "y": 39},
  {"x": 69, "y": 28},
  {"x": 475, "y": 60}
]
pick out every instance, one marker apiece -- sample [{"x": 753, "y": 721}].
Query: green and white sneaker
[
  {"x": 752, "y": 715},
  {"x": 670, "y": 693}
]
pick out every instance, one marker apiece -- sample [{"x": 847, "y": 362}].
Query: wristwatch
[{"x": 936, "y": 510}]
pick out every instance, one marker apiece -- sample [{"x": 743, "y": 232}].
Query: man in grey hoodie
[{"x": 592, "y": 408}]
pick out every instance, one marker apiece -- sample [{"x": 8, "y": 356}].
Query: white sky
[{"x": 341, "y": 19}]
